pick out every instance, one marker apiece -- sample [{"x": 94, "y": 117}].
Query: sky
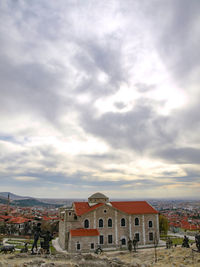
[{"x": 100, "y": 96}]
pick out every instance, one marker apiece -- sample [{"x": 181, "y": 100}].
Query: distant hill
[
  {"x": 12, "y": 196},
  {"x": 3, "y": 200},
  {"x": 31, "y": 202},
  {"x": 25, "y": 201}
]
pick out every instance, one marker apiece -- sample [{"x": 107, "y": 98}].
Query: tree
[
  {"x": 50, "y": 226},
  {"x": 163, "y": 224}
]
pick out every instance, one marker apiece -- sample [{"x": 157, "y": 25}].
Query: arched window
[
  {"x": 150, "y": 224},
  {"x": 123, "y": 222},
  {"x": 123, "y": 240},
  {"x": 109, "y": 222},
  {"x": 101, "y": 223},
  {"x": 137, "y": 222},
  {"x": 86, "y": 223}
]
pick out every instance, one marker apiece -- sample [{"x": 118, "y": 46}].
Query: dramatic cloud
[{"x": 100, "y": 96}]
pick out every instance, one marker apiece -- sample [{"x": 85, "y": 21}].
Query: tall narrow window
[
  {"x": 123, "y": 222},
  {"x": 137, "y": 222},
  {"x": 101, "y": 239},
  {"x": 137, "y": 237},
  {"x": 109, "y": 222},
  {"x": 110, "y": 240},
  {"x": 86, "y": 223},
  {"x": 100, "y": 223},
  {"x": 150, "y": 224},
  {"x": 123, "y": 240},
  {"x": 150, "y": 236},
  {"x": 78, "y": 246}
]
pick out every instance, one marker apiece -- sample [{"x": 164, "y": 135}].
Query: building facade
[{"x": 87, "y": 225}]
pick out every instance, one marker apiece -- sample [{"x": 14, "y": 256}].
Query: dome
[
  {"x": 98, "y": 198},
  {"x": 98, "y": 195}
]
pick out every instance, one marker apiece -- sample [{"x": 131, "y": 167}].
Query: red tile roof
[
  {"x": 134, "y": 207},
  {"x": 45, "y": 218},
  {"x": 130, "y": 207},
  {"x": 5, "y": 217},
  {"x": 18, "y": 220},
  {"x": 84, "y": 232},
  {"x": 83, "y": 207}
]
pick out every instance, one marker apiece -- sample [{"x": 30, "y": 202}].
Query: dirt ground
[{"x": 175, "y": 257}]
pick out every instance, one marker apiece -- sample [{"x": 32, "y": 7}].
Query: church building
[{"x": 87, "y": 225}]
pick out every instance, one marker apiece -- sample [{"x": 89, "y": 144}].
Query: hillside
[
  {"x": 31, "y": 202},
  {"x": 23, "y": 201},
  {"x": 12, "y": 196},
  {"x": 3, "y": 200}
]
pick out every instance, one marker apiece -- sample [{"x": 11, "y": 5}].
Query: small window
[
  {"x": 86, "y": 223},
  {"x": 75, "y": 217},
  {"x": 137, "y": 237},
  {"x": 100, "y": 223},
  {"x": 101, "y": 239},
  {"x": 137, "y": 221},
  {"x": 70, "y": 213},
  {"x": 123, "y": 222},
  {"x": 78, "y": 246},
  {"x": 92, "y": 245},
  {"x": 105, "y": 211},
  {"x": 150, "y": 236},
  {"x": 123, "y": 240},
  {"x": 150, "y": 224},
  {"x": 109, "y": 222},
  {"x": 110, "y": 239}
]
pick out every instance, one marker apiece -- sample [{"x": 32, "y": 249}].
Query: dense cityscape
[{"x": 182, "y": 215}]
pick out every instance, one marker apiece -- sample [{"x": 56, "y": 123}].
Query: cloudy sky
[{"x": 100, "y": 96}]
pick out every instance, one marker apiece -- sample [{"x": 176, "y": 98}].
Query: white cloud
[{"x": 100, "y": 94}]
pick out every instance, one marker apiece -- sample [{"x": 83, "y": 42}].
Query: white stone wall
[{"x": 117, "y": 231}]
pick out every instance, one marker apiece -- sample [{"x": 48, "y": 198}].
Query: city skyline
[{"x": 100, "y": 96}]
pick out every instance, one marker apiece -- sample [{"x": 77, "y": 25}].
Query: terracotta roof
[
  {"x": 134, "y": 207},
  {"x": 84, "y": 232},
  {"x": 83, "y": 207},
  {"x": 19, "y": 220},
  {"x": 130, "y": 207},
  {"x": 5, "y": 217},
  {"x": 45, "y": 218}
]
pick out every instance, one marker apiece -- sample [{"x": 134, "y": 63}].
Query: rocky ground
[{"x": 177, "y": 257}]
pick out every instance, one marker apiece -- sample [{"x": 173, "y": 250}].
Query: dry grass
[{"x": 176, "y": 257}]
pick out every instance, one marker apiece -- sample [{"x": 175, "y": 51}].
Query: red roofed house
[
  {"x": 98, "y": 222},
  {"x": 20, "y": 224}
]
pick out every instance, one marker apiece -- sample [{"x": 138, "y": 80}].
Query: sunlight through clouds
[{"x": 100, "y": 96}]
